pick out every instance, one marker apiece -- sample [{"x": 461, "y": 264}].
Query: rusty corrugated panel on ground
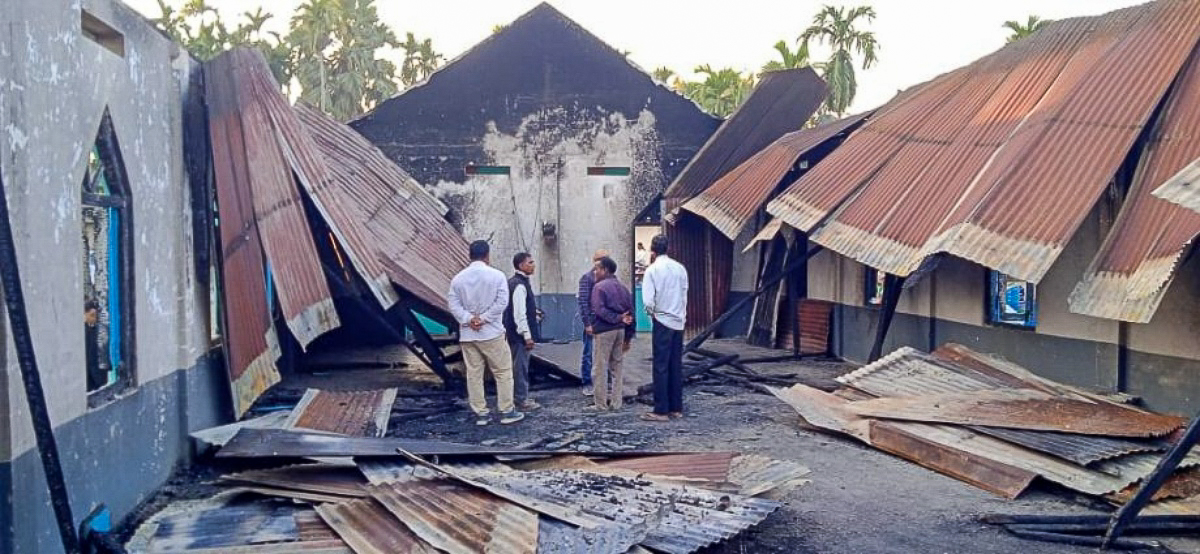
[
  {"x": 1021, "y": 409},
  {"x": 766, "y": 477},
  {"x": 967, "y": 164},
  {"x": 713, "y": 466},
  {"x": 405, "y": 225},
  {"x": 312, "y": 527},
  {"x": 1131, "y": 273},
  {"x": 318, "y": 478},
  {"x": 249, "y": 338},
  {"x": 369, "y": 528},
  {"x": 1181, "y": 484},
  {"x": 1080, "y": 449},
  {"x": 354, "y": 413},
  {"x": 824, "y": 410},
  {"x": 909, "y": 372},
  {"x": 1174, "y": 506},
  {"x": 456, "y": 518},
  {"x": 693, "y": 518},
  {"x": 382, "y": 471},
  {"x": 733, "y": 200},
  {"x": 286, "y": 237},
  {"x": 782, "y": 102}
]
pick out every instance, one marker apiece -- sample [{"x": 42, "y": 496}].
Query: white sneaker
[{"x": 587, "y": 391}]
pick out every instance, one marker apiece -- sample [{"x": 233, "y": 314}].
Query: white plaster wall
[
  {"x": 54, "y": 87},
  {"x": 588, "y": 212},
  {"x": 1174, "y": 329}
]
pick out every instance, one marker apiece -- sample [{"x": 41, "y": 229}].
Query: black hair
[
  {"x": 520, "y": 259},
  {"x": 659, "y": 244},
  {"x": 479, "y": 250},
  {"x": 610, "y": 267},
  {"x": 640, "y": 245}
]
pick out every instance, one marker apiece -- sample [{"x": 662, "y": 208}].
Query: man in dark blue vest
[{"x": 521, "y": 328}]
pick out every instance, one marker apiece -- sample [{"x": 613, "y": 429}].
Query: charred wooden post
[{"x": 892, "y": 285}]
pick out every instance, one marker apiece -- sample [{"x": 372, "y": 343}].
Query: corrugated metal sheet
[
  {"x": 369, "y": 528},
  {"x": 815, "y": 318},
  {"x": 250, "y": 358},
  {"x": 1082, "y": 450},
  {"x": 1181, "y": 484},
  {"x": 767, "y": 477},
  {"x": 733, "y": 200},
  {"x": 354, "y": 413},
  {"x": 691, "y": 518},
  {"x": 456, "y": 518},
  {"x": 967, "y": 164},
  {"x": 420, "y": 250},
  {"x": 782, "y": 102},
  {"x": 383, "y": 471},
  {"x": 713, "y": 466},
  {"x": 708, "y": 257},
  {"x": 1021, "y": 409},
  {"x": 1131, "y": 273},
  {"x": 286, "y": 237},
  {"x": 909, "y": 372},
  {"x": 824, "y": 410},
  {"x": 319, "y": 478}
]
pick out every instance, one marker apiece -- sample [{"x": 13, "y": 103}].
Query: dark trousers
[{"x": 668, "y": 369}]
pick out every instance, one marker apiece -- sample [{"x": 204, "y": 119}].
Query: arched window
[{"x": 107, "y": 268}]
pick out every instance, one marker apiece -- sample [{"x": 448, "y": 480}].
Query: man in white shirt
[
  {"x": 664, "y": 294},
  {"x": 478, "y": 296}
]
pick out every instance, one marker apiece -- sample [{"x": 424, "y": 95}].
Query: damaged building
[
  {"x": 542, "y": 138},
  {"x": 1009, "y": 205},
  {"x": 95, "y": 108}
]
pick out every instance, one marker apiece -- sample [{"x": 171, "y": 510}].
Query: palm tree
[
  {"x": 836, "y": 27},
  {"x": 420, "y": 60},
  {"x": 787, "y": 58},
  {"x": 1019, "y": 31},
  {"x": 721, "y": 91},
  {"x": 334, "y": 45},
  {"x": 663, "y": 74}
]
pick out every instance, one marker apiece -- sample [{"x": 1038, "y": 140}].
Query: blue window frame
[{"x": 1011, "y": 301}]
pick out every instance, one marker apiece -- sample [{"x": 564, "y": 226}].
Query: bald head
[{"x": 601, "y": 253}]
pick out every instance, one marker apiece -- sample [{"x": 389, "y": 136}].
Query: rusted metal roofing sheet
[
  {"x": 713, "y": 466},
  {"x": 420, "y": 250},
  {"x": 319, "y": 478},
  {"x": 693, "y": 517},
  {"x": 909, "y": 372},
  {"x": 766, "y": 477},
  {"x": 1080, "y": 449},
  {"x": 456, "y": 518},
  {"x": 967, "y": 164},
  {"x": 249, "y": 337},
  {"x": 354, "y": 413},
  {"x": 1181, "y": 484},
  {"x": 733, "y": 200},
  {"x": 1131, "y": 273},
  {"x": 369, "y": 528},
  {"x": 379, "y": 472},
  {"x": 824, "y": 410},
  {"x": 286, "y": 237},
  {"x": 782, "y": 102},
  {"x": 1021, "y": 409}
]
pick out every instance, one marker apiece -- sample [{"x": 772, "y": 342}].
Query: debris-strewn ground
[{"x": 860, "y": 500}]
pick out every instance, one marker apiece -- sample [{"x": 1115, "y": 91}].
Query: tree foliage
[
  {"x": 1019, "y": 31},
  {"x": 720, "y": 92},
  {"x": 787, "y": 58},
  {"x": 420, "y": 60},
  {"x": 199, "y": 29},
  {"x": 837, "y": 28},
  {"x": 334, "y": 46}
]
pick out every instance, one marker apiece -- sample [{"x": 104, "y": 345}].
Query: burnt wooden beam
[
  {"x": 892, "y": 286},
  {"x": 43, "y": 429}
]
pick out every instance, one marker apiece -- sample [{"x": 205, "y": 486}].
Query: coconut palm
[
  {"x": 787, "y": 58},
  {"x": 721, "y": 91},
  {"x": 1019, "y": 31},
  {"x": 420, "y": 60},
  {"x": 836, "y": 27},
  {"x": 663, "y": 74}
]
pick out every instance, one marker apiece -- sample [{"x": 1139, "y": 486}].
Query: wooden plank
[{"x": 990, "y": 475}]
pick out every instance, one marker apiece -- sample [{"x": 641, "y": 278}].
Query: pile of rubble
[
  {"x": 997, "y": 426},
  {"x": 326, "y": 492}
]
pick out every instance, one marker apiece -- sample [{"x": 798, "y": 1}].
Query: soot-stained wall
[{"x": 546, "y": 99}]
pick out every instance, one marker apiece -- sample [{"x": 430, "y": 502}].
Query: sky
[{"x": 919, "y": 39}]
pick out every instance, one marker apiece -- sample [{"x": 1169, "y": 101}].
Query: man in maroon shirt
[{"x": 613, "y": 331}]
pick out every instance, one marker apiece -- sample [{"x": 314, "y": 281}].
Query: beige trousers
[
  {"x": 608, "y": 354},
  {"x": 480, "y": 356}
]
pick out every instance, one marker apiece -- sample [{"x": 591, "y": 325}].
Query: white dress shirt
[
  {"x": 519, "y": 315},
  {"x": 479, "y": 290},
  {"x": 664, "y": 292}
]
